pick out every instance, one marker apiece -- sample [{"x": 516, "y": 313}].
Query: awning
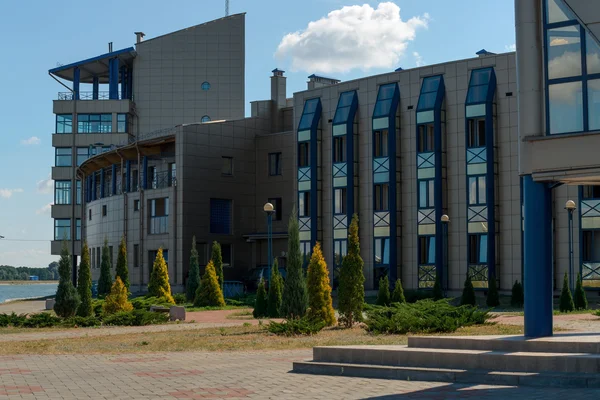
[{"x": 97, "y": 66}]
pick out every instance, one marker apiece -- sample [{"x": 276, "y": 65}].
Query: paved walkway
[
  {"x": 572, "y": 322},
  {"x": 240, "y": 375},
  {"x": 23, "y": 307}
]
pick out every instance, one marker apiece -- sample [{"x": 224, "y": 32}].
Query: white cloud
[
  {"x": 45, "y": 186},
  {"x": 351, "y": 37},
  {"x": 510, "y": 47},
  {"x": 418, "y": 59},
  {"x": 7, "y": 193},
  {"x": 44, "y": 210},
  {"x": 34, "y": 140}
]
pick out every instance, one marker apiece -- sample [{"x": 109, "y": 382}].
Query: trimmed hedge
[
  {"x": 136, "y": 318},
  {"x": 296, "y": 327}
]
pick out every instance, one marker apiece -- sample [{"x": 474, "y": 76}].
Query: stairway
[{"x": 561, "y": 361}]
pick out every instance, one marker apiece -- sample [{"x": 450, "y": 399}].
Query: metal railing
[
  {"x": 163, "y": 180},
  {"x": 104, "y": 95},
  {"x": 159, "y": 225}
]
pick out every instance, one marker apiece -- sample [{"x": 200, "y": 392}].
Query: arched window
[
  {"x": 206, "y": 118},
  {"x": 205, "y": 86}
]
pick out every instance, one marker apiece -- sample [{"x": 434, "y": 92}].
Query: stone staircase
[{"x": 566, "y": 360}]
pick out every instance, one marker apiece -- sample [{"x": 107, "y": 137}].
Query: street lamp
[
  {"x": 570, "y": 207},
  {"x": 269, "y": 210},
  {"x": 445, "y": 220}
]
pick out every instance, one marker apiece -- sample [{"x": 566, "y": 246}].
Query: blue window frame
[
  {"x": 478, "y": 249},
  {"x": 572, "y": 72},
  {"x": 426, "y": 138},
  {"x": 381, "y": 145},
  {"x": 382, "y": 251},
  {"x": 340, "y": 201},
  {"x": 590, "y": 192},
  {"x": 94, "y": 123},
  {"x": 62, "y": 229},
  {"x": 303, "y": 154},
  {"x": 308, "y": 114},
  {"x": 63, "y": 157},
  {"x": 385, "y": 99},
  {"x": 381, "y": 200},
  {"x": 205, "y": 86},
  {"x": 426, "y": 250},
  {"x": 304, "y": 204},
  {"x": 121, "y": 123},
  {"x": 221, "y": 216},
  {"x": 426, "y": 193},
  {"x": 64, "y": 123},
  {"x": 344, "y": 107},
  {"x": 78, "y": 229},
  {"x": 206, "y": 118},
  {"x": 340, "y": 250},
  {"x": 339, "y": 149},
  {"x": 62, "y": 192},
  {"x": 78, "y": 188},
  {"x": 477, "y": 190}
]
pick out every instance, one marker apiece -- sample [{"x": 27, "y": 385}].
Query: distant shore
[{"x": 26, "y": 282}]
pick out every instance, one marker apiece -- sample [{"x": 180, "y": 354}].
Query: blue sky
[{"x": 35, "y": 36}]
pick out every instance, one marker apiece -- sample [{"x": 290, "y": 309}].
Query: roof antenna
[{"x": 227, "y": 8}]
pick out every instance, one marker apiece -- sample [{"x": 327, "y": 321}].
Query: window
[
  {"x": 203, "y": 252},
  {"x": 64, "y": 123},
  {"x": 172, "y": 174},
  {"x": 104, "y": 210},
  {"x": 82, "y": 155},
  {"x": 591, "y": 246},
  {"x": 205, "y": 86},
  {"x": 90, "y": 214},
  {"x": 135, "y": 180},
  {"x": 136, "y": 205},
  {"x": 63, "y": 157},
  {"x": 98, "y": 255},
  {"x": 78, "y": 229},
  {"x": 94, "y": 123},
  {"x": 62, "y": 192},
  {"x": 151, "y": 180},
  {"x": 276, "y": 201},
  {"x": 340, "y": 250},
  {"x": 303, "y": 154},
  {"x": 220, "y": 216},
  {"x": 136, "y": 256},
  {"x": 274, "y": 164},
  {"x": 110, "y": 254},
  {"x": 78, "y": 189},
  {"x": 381, "y": 143},
  {"x": 591, "y": 192},
  {"x": 206, "y": 118},
  {"x": 339, "y": 204},
  {"x": 476, "y": 132},
  {"x": 382, "y": 197},
  {"x": 426, "y": 249},
  {"x": 382, "y": 251},
  {"x": 159, "y": 216},
  {"x": 122, "y": 123},
  {"x": 426, "y": 194},
  {"x": 477, "y": 249},
  {"x": 426, "y": 138},
  {"x": 226, "y": 250},
  {"x": 62, "y": 229},
  {"x": 93, "y": 257},
  {"x": 339, "y": 149},
  {"x": 477, "y": 192},
  {"x": 227, "y": 167},
  {"x": 305, "y": 251},
  {"x": 304, "y": 204}
]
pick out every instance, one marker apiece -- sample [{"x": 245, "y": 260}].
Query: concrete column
[{"x": 537, "y": 282}]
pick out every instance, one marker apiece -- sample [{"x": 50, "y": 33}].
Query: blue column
[
  {"x": 123, "y": 82},
  {"x": 76, "y": 75},
  {"x": 127, "y": 175},
  {"x": 102, "y": 183},
  {"x": 130, "y": 83},
  {"x": 538, "y": 258},
  {"x": 95, "y": 87},
  {"x": 94, "y": 186},
  {"x": 113, "y": 189},
  {"x": 145, "y": 173},
  {"x": 113, "y": 79}
]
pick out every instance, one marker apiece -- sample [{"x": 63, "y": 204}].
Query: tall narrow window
[
  {"x": 226, "y": 253},
  {"x": 62, "y": 192},
  {"x": 426, "y": 194},
  {"x": 340, "y": 201},
  {"x": 382, "y": 197},
  {"x": 221, "y": 216},
  {"x": 477, "y": 249},
  {"x": 304, "y": 204},
  {"x": 274, "y": 164},
  {"x": 382, "y": 251},
  {"x": 381, "y": 143},
  {"x": 477, "y": 190},
  {"x": 426, "y": 138},
  {"x": 426, "y": 249},
  {"x": 276, "y": 201},
  {"x": 227, "y": 167},
  {"x": 339, "y": 149},
  {"x": 172, "y": 174},
  {"x": 78, "y": 229},
  {"x": 136, "y": 256},
  {"x": 159, "y": 216},
  {"x": 476, "y": 132},
  {"x": 303, "y": 154},
  {"x": 122, "y": 123}
]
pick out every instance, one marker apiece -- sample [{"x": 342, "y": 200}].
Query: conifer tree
[
  {"x": 67, "y": 299},
  {"x": 580, "y": 299},
  {"x": 117, "y": 300},
  {"x": 275, "y": 291},
  {"x": 493, "y": 299},
  {"x": 217, "y": 259},
  {"x": 351, "y": 291},
  {"x": 295, "y": 296},
  {"x": 84, "y": 283},
  {"x": 398, "y": 294},
  {"x": 260, "y": 306},
  {"x": 468, "y": 295},
  {"x": 193, "y": 280},
  {"x": 517, "y": 297},
  {"x": 122, "y": 270},
  {"x": 383, "y": 296},
  {"x": 438, "y": 293},
  {"x": 320, "y": 305},
  {"x": 566, "y": 299},
  {"x": 159, "y": 279},
  {"x": 105, "y": 281},
  {"x": 209, "y": 292}
]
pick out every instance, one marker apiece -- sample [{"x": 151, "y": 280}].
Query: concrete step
[
  {"x": 404, "y": 356},
  {"x": 544, "y": 379},
  {"x": 559, "y": 343}
]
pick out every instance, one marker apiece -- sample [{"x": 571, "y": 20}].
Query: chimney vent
[
  {"x": 483, "y": 53},
  {"x": 139, "y": 37},
  {"x": 110, "y": 47}
]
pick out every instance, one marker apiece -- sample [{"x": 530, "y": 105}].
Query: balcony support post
[
  {"x": 114, "y": 180},
  {"x": 76, "y": 83},
  {"x": 95, "y": 88},
  {"x": 113, "y": 79}
]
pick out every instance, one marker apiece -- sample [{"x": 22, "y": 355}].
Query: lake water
[{"x": 8, "y": 292}]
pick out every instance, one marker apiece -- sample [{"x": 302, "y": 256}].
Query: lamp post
[
  {"x": 570, "y": 207},
  {"x": 269, "y": 210},
  {"x": 445, "y": 220}
]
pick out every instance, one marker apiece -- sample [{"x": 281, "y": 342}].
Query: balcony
[
  {"x": 104, "y": 95},
  {"x": 163, "y": 180},
  {"x": 159, "y": 225}
]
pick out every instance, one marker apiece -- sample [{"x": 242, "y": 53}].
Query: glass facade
[
  {"x": 94, "y": 123},
  {"x": 63, "y": 157},
  {"x": 62, "y": 229},
  {"x": 221, "y": 216},
  {"x": 64, "y": 123},
  {"x": 62, "y": 192},
  {"x": 121, "y": 123}
]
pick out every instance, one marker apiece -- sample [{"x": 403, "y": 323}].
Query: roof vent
[
  {"x": 277, "y": 72},
  {"x": 139, "y": 36},
  {"x": 399, "y": 69},
  {"x": 484, "y": 53}
]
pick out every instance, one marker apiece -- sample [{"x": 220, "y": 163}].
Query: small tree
[
  {"x": 383, "y": 296},
  {"x": 275, "y": 291},
  {"x": 84, "y": 283},
  {"x": 117, "y": 300},
  {"x": 159, "y": 279},
  {"x": 398, "y": 294},
  {"x": 295, "y": 296},
  {"x": 566, "y": 299},
  {"x": 122, "y": 270},
  {"x": 580, "y": 299},
  {"x": 193, "y": 281},
  {"x": 438, "y": 293},
  {"x": 105, "y": 281},
  {"x": 517, "y": 298},
  {"x": 468, "y": 295},
  {"x": 209, "y": 292},
  {"x": 67, "y": 299},
  {"x": 320, "y": 305},
  {"x": 260, "y": 306},
  {"x": 493, "y": 299},
  {"x": 217, "y": 259},
  {"x": 351, "y": 292}
]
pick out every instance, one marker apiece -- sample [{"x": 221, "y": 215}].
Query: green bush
[
  {"x": 82, "y": 322},
  {"x": 438, "y": 293},
  {"x": 383, "y": 296},
  {"x": 67, "y": 299},
  {"x": 398, "y": 294},
  {"x": 566, "y": 300},
  {"x": 193, "y": 280},
  {"x": 493, "y": 300},
  {"x": 97, "y": 306},
  {"x": 144, "y": 303},
  {"x": 260, "y": 308},
  {"x": 579, "y": 298},
  {"x": 468, "y": 295},
  {"x": 295, "y": 294},
  {"x": 84, "y": 283},
  {"x": 275, "y": 295},
  {"x": 425, "y": 316},
  {"x": 517, "y": 299},
  {"x": 180, "y": 298},
  {"x": 136, "y": 318},
  {"x": 12, "y": 319},
  {"x": 244, "y": 300},
  {"x": 412, "y": 296},
  {"x": 296, "y": 327},
  {"x": 351, "y": 290},
  {"x": 105, "y": 281},
  {"x": 41, "y": 320}
]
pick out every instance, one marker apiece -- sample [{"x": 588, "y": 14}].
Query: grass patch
[{"x": 244, "y": 314}]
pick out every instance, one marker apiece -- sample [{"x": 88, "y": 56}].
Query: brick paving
[{"x": 225, "y": 375}]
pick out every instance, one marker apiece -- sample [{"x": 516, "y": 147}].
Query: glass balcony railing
[{"x": 159, "y": 225}]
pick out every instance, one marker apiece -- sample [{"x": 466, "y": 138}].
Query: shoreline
[
  {"x": 37, "y": 298},
  {"x": 21, "y": 283}
]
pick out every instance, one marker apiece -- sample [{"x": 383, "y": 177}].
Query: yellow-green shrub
[{"x": 117, "y": 300}]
